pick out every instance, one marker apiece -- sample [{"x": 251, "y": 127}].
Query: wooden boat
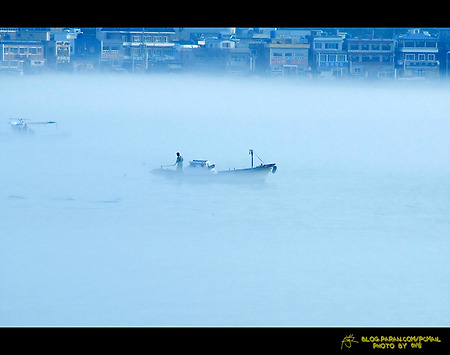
[{"x": 204, "y": 170}]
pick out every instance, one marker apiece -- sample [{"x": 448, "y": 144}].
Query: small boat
[
  {"x": 204, "y": 171},
  {"x": 22, "y": 124}
]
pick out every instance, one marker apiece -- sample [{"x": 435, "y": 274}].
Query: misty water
[{"x": 352, "y": 230}]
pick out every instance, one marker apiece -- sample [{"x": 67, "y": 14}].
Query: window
[
  {"x": 364, "y": 47},
  {"x": 421, "y": 57},
  {"x": 331, "y": 45},
  {"x": 386, "y": 59},
  {"x": 409, "y": 57},
  {"x": 323, "y": 57},
  {"x": 420, "y": 44},
  {"x": 431, "y": 57},
  {"x": 288, "y": 55},
  {"x": 341, "y": 57},
  {"x": 431, "y": 44},
  {"x": 157, "y": 39},
  {"x": 318, "y": 45},
  {"x": 136, "y": 38},
  {"x": 354, "y": 47},
  {"x": 276, "y": 54},
  {"x": 331, "y": 57},
  {"x": 386, "y": 47},
  {"x": 409, "y": 44},
  {"x": 22, "y": 50},
  {"x": 375, "y": 47}
]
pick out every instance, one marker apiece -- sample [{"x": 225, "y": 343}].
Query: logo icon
[{"x": 348, "y": 340}]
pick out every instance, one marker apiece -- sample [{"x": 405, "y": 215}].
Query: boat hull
[
  {"x": 255, "y": 174},
  {"x": 246, "y": 175}
]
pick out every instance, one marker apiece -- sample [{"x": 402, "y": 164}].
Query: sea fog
[{"x": 352, "y": 229}]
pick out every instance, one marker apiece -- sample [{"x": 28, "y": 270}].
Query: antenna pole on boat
[{"x": 251, "y": 153}]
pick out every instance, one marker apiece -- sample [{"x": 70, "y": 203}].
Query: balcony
[
  {"x": 418, "y": 49},
  {"x": 421, "y": 63}
]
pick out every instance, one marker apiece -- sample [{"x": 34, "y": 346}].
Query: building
[
  {"x": 288, "y": 57},
  {"x": 417, "y": 55},
  {"x": 371, "y": 57},
  {"x": 444, "y": 52},
  {"x": 58, "y": 54},
  {"x": 22, "y": 56},
  {"x": 136, "y": 49},
  {"x": 216, "y": 55},
  {"x": 298, "y": 52},
  {"x": 239, "y": 61},
  {"x": 87, "y": 49},
  {"x": 256, "y": 41},
  {"x": 199, "y": 33},
  {"x": 201, "y": 59},
  {"x": 8, "y": 33},
  {"x": 330, "y": 56},
  {"x": 32, "y": 34}
]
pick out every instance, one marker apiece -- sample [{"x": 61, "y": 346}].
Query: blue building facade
[{"x": 295, "y": 52}]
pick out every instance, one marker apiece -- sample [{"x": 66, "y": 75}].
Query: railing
[{"x": 421, "y": 63}]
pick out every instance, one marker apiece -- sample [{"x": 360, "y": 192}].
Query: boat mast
[{"x": 251, "y": 153}]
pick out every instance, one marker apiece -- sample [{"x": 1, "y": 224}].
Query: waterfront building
[
  {"x": 58, "y": 54},
  {"x": 22, "y": 56},
  {"x": 136, "y": 49},
  {"x": 300, "y": 52},
  {"x": 444, "y": 52},
  {"x": 330, "y": 56},
  {"x": 371, "y": 57},
  {"x": 288, "y": 57},
  {"x": 86, "y": 54},
  {"x": 417, "y": 55}
]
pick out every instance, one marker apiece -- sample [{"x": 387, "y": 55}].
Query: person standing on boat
[{"x": 179, "y": 162}]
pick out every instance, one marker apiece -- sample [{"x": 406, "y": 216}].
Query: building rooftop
[
  {"x": 370, "y": 39},
  {"x": 416, "y": 36},
  {"x": 139, "y": 29}
]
